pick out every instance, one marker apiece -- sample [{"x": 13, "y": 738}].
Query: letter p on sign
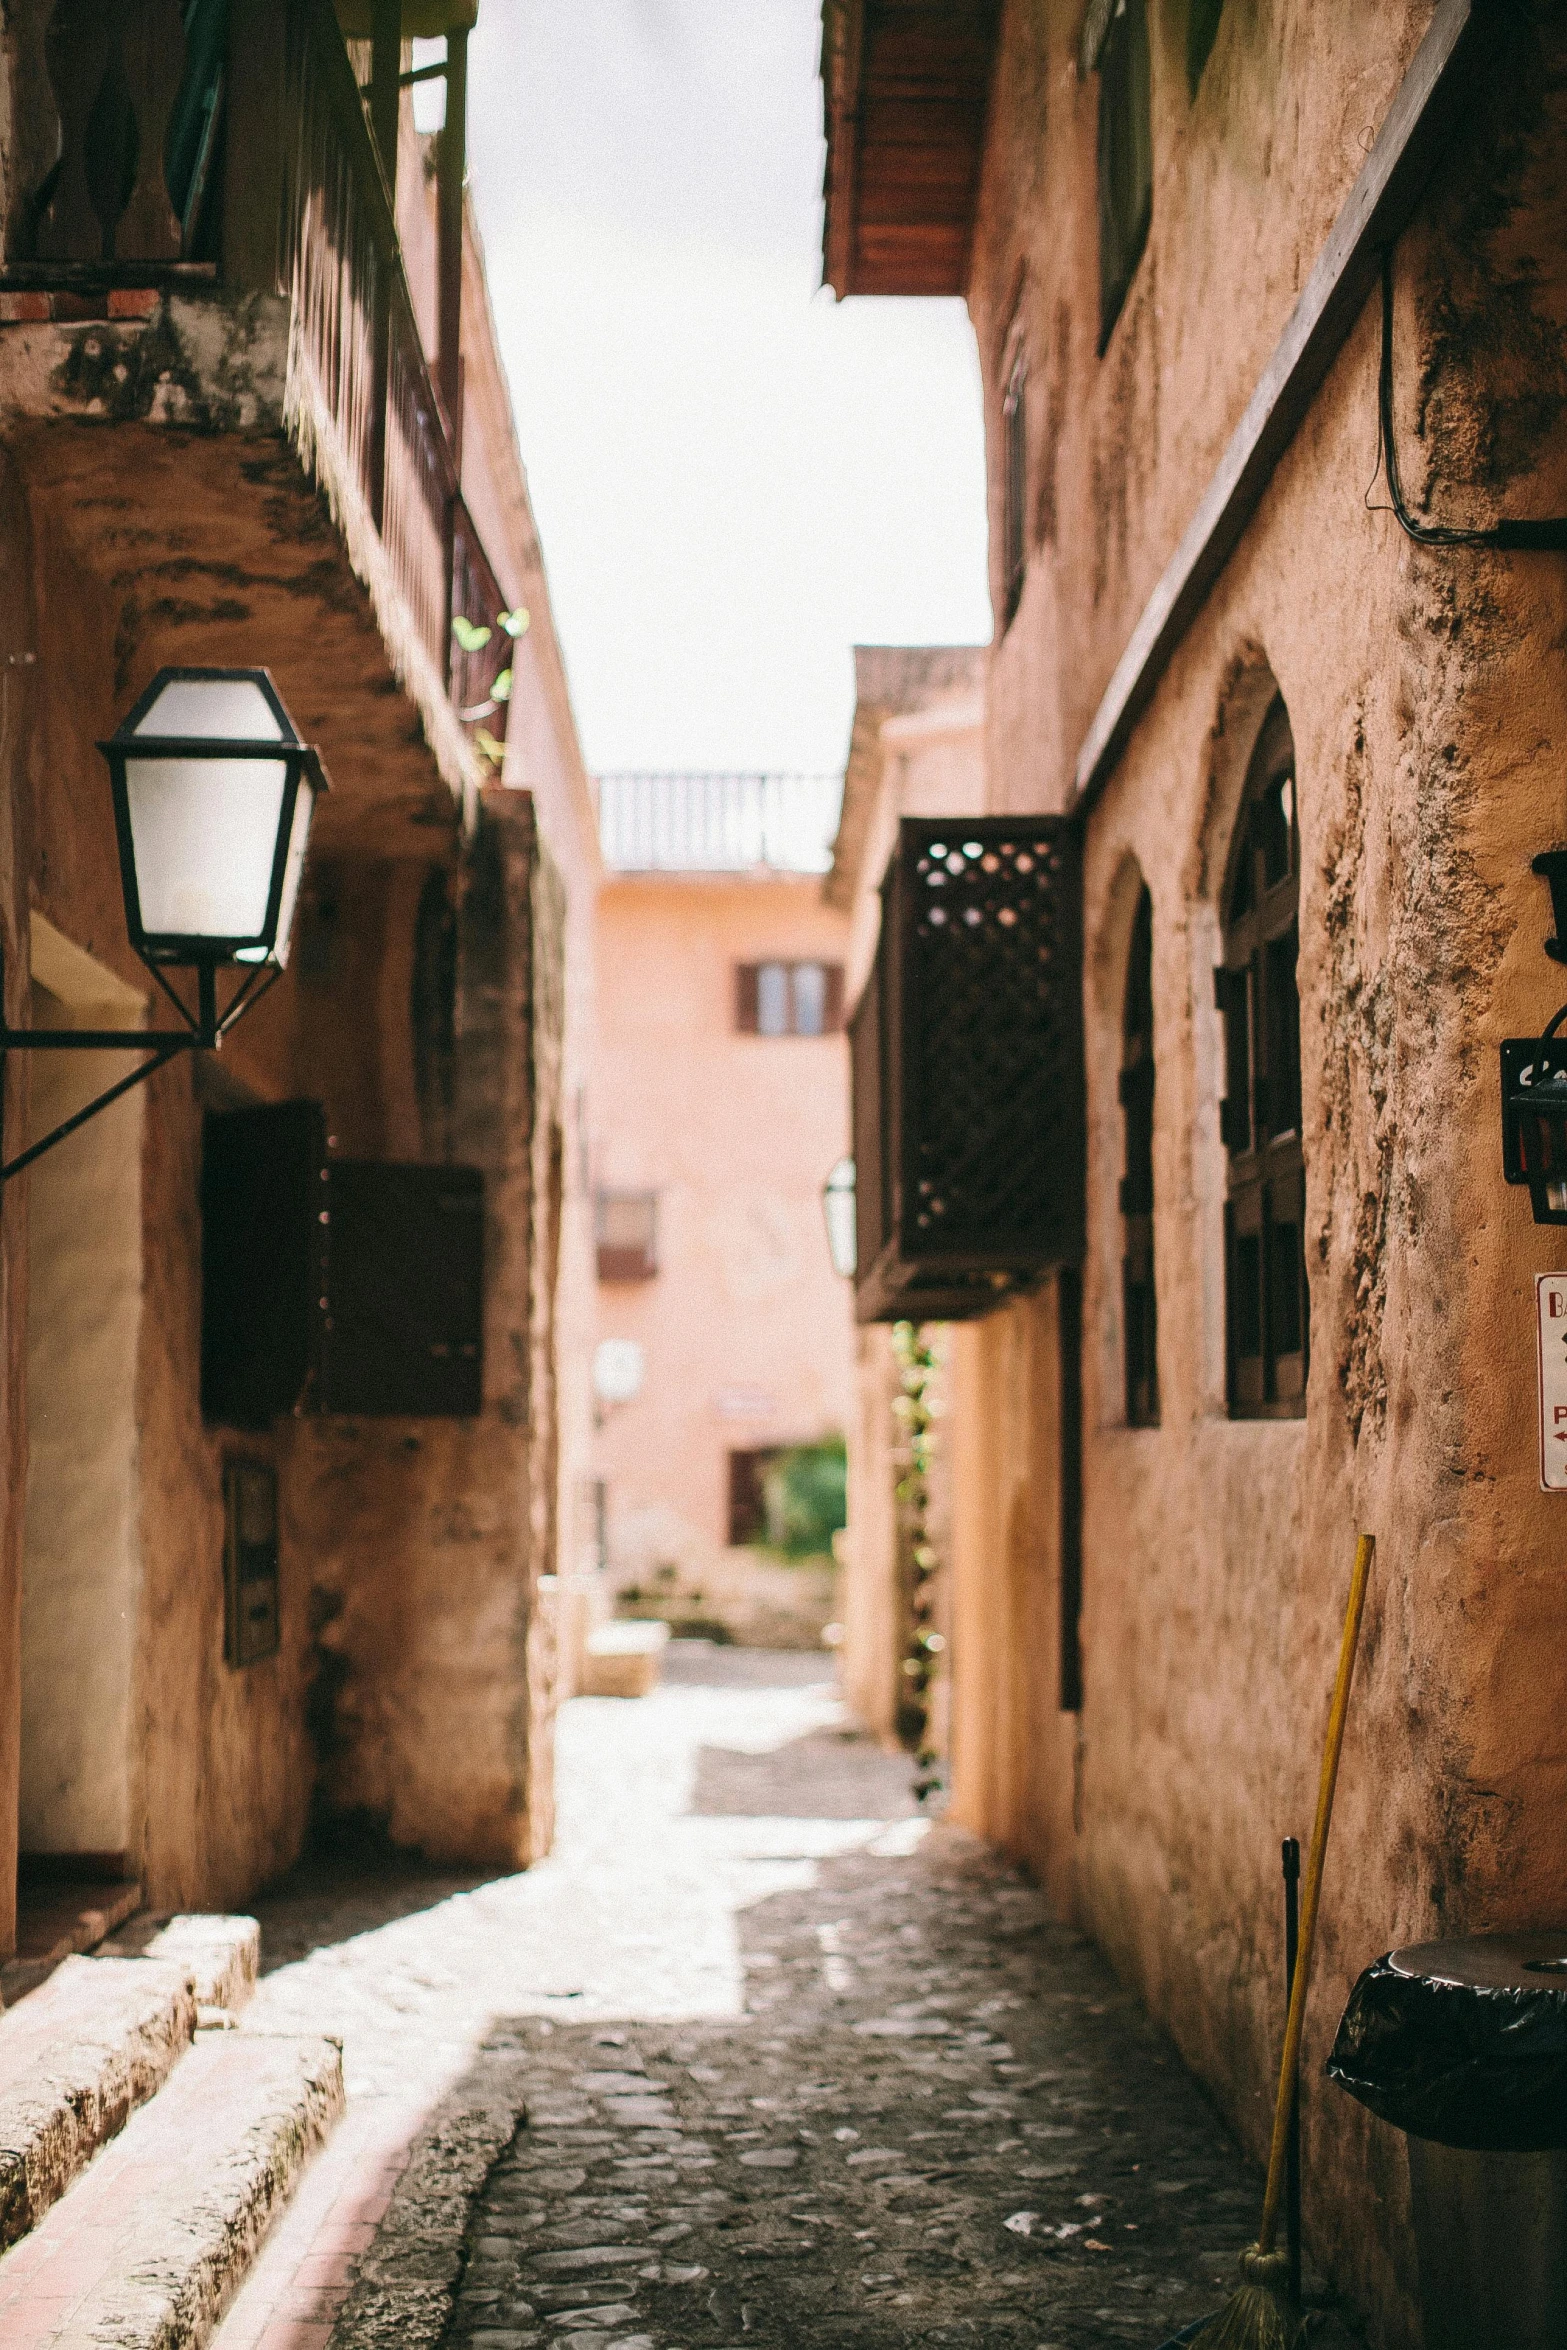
[{"x": 1550, "y": 1291}]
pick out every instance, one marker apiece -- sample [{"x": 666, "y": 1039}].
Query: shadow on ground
[{"x": 941, "y": 2121}]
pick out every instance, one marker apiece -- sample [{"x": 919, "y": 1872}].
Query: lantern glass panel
[
  {"x": 204, "y": 835},
  {"x": 293, "y": 870},
  {"x": 204, "y": 830}
]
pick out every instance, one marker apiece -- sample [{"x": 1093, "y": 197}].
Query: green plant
[
  {"x": 805, "y": 1498},
  {"x": 914, "y": 1410}
]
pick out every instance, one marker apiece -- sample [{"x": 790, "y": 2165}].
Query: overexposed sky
[{"x": 736, "y": 478}]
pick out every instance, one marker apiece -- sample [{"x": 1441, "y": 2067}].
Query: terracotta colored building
[
  {"x": 280, "y": 1440},
  {"x": 719, "y": 1082},
  {"x": 1288, "y": 755}
]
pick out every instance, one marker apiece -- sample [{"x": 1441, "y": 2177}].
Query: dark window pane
[
  {"x": 1283, "y": 1031},
  {"x": 1233, "y": 991},
  {"x": 1271, "y": 833},
  {"x": 1248, "y": 1294},
  {"x": 1125, "y": 158},
  {"x": 1202, "y": 29},
  {"x": 1284, "y": 1316}
]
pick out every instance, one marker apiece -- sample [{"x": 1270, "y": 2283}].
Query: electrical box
[
  {"x": 967, "y": 1055},
  {"x": 250, "y": 1562}
]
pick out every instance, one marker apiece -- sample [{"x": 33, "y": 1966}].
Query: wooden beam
[{"x": 1378, "y": 206}]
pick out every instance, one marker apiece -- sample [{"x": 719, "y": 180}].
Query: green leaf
[
  {"x": 472, "y": 635},
  {"x": 500, "y": 691},
  {"x": 515, "y": 623}
]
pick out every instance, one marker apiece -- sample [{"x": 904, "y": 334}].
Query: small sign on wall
[{"x": 1550, "y": 1291}]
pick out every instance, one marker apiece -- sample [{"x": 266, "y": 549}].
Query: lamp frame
[
  {"x": 203, "y": 1029},
  {"x": 125, "y": 745},
  {"x": 1534, "y": 1130}
]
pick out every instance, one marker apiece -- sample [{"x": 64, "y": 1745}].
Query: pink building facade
[{"x": 719, "y": 1106}]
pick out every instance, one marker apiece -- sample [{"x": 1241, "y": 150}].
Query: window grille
[
  {"x": 1139, "y": 1309},
  {"x": 967, "y": 1055},
  {"x": 626, "y": 1232},
  {"x": 1266, "y": 1296},
  {"x": 1014, "y": 532},
  {"x": 1125, "y": 156},
  {"x": 788, "y": 999}
]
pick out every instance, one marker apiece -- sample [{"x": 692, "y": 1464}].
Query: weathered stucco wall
[
  {"x": 83, "y": 1548},
  {"x": 426, "y": 1538},
  {"x": 1428, "y": 705}
]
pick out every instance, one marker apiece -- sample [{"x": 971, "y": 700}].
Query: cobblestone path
[{"x": 836, "y": 2080}]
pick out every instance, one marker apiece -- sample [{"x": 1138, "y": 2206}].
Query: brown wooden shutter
[
  {"x": 405, "y": 1331},
  {"x": 832, "y": 1015},
  {"x": 263, "y": 1247},
  {"x": 746, "y": 997}
]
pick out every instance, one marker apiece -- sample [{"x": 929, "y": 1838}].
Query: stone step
[
  {"x": 150, "y": 2244},
  {"x": 76, "y": 2059},
  {"x": 221, "y": 1954}
]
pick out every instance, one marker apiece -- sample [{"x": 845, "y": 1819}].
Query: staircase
[{"x": 147, "y": 2141}]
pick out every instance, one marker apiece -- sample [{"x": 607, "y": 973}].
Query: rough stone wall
[
  {"x": 18, "y": 740},
  {"x": 432, "y": 1699},
  {"x": 1428, "y": 705}
]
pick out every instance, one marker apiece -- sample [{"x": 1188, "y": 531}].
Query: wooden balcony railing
[{"x": 141, "y": 88}]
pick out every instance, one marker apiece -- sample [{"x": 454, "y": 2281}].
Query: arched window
[
  {"x": 1137, "y": 1081},
  {"x": 1265, "y": 1210}
]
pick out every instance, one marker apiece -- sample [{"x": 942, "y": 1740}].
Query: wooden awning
[{"x": 905, "y": 84}]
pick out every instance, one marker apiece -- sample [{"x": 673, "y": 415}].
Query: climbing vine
[{"x": 914, "y": 1410}]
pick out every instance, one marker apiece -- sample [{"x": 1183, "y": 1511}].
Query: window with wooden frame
[
  {"x": 1117, "y": 42},
  {"x": 1014, "y": 487},
  {"x": 748, "y": 1494},
  {"x": 1266, "y": 1300},
  {"x": 625, "y": 1229},
  {"x": 788, "y": 999},
  {"x": 1139, "y": 1313}
]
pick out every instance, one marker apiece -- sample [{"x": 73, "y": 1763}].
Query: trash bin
[{"x": 1463, "y": 2046}]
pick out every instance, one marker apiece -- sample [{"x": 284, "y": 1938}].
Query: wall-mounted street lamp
[
  {"x": 838, "y": 1209},
  {"x": 1534, "y": 1082},
  {"x": 213, "y": 796}
]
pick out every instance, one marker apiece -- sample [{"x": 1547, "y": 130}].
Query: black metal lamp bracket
[
  {"x": 204, "y": 1031},
  {"x": 1551, "y": 865}
]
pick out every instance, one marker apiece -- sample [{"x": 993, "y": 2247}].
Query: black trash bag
[{"x": 1463, "y": 2042}]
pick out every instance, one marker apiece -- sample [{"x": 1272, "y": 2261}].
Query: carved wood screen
[{"x": 967, "y": 1052}]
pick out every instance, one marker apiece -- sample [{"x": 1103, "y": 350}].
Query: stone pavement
[{"x": 754, "y": 2060}]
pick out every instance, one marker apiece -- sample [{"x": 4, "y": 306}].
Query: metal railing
[
  {"x": 718, "y": 823},
  {"x": 141, "y": 121}
]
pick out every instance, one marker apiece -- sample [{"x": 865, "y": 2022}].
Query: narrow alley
[{"x": 771, "y": 2060}]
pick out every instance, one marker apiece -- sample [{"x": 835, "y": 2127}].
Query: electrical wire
[{"x": 1548, "y": 536}]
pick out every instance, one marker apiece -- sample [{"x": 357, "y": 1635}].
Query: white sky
[{"x": 736, "y": 479}]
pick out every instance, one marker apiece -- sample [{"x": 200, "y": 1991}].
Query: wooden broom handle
[{"x": 1365, "y": 1552}]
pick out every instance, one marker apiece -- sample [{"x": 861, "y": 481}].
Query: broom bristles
[{"x": 1259, "y": 2315}]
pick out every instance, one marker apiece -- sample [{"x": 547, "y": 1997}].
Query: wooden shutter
[
  {"x": 832, "y": 1017},
  {"x": 746, "y": 998},
  {"x": 404, "y": 1335},
  {"x": 264, "y": 1204}
]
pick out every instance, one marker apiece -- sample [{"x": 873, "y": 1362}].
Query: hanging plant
[{"x": 914, "y": 1410}]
